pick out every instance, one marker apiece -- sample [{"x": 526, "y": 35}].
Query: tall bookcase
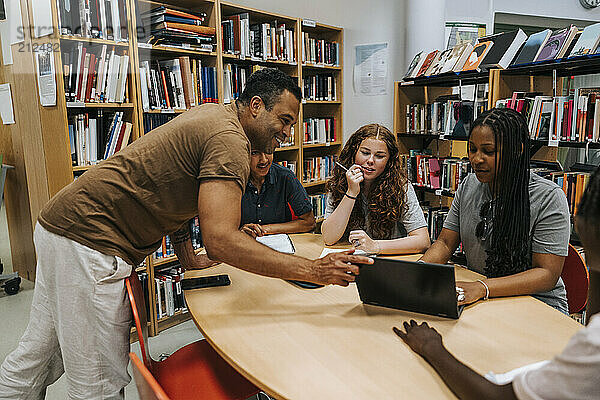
[
  {"x": 38, "y": 145},
  {"x": 547, "y": 79}
]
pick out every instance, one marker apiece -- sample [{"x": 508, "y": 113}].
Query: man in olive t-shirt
[{"x": 94, "y": 230}]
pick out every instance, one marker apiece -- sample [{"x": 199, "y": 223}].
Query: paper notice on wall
[
  {"x": 11, "y": 29},
  {"x": 46, "y": 79},
  {"x": 6, "y": 106},
  {"x": 371, "y": 69},
  {"x": 42, "y": 18}
]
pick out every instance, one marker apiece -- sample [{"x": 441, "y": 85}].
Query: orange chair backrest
[
  {"x": 148, "y": 388},
  {"x": 138, "y": 308},
  {"x": 577, "y": 280}
]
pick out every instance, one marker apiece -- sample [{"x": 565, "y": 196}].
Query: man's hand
[
  {"x": 337, "y": 268},
  {"x": 200, "y": 261},
  {"x": 422, "y": 339},
  {"x": 254, "y": 230}
]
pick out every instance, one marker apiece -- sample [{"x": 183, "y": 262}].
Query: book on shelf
[
  {"x": 319, "y": 130},
  {"x": 506, "y": 45},
  {"x": 439, "y": 63},
  {"x": 587, "y": 43},
  {"x": 100, "y": 19},
  {"x": 457, "y": 58},
  {"x": 427, "y": 63},
  {"x": 291, "y": 165},
  {"x": 318, "y": 168},
  {"x": 319, "y": 204},
  {"x": 557, "y": 44},
  {"x": 532, "y": 47},
  {"x": 319, "y": 87},
  {"x": 413, "y": 65},
  {"x": 480, "y": 50},
  {"x": 320, "y": 51},
  {"x": 95, "y": 74},
  {"x": 234, "y": 81}
]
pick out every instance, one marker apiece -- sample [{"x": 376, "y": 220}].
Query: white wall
[{"x": 364, "y": 22}]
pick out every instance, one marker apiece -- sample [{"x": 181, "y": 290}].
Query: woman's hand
[
  {"x": 473, "y": 291},
  {"x": 361, "y": 241},
  {"x": 354, "y": 176}
]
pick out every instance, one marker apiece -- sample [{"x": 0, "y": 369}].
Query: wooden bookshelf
[{"x": 38, "y": 144}]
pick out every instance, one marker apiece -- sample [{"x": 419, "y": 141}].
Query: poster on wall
[
  {"x": 463, "y": 32},
  {"x": 371, "y": 69}
]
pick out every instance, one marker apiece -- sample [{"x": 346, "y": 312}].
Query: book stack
[
  {"x": 319, "y": 130},
  {"x": 101, "y": 19},
  {"x": 320, "y": 87},
  {"x": 319, "y": 204},
  {"x": 170, "y": 27},
  {"x": 319, "y": 51},
  {"x": 317, "y": 168},
  {"x": 176, "y": 84},
  {"x": 152, "y": 121},
  {"x": 97, "y": 135},
  {"x": 95, "y": 74},
  {"x": 260, "y": 41}
]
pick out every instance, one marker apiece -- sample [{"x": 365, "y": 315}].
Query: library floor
[{"x": 15, "y": 316}]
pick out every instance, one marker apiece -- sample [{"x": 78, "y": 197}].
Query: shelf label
[
  {"x": 327, "y": 144},
  {"x": 168, "y": 111},
  {"x": 552, "y": 142},
  {"x": 145, "y": 45},
  {"x": 438, "y": 192},
  {"x": 309, "y": 22},
  {"x": 75, "y": 104},
  {"x": 303, "y": 101},
  {"x": 186, "y": 46}
]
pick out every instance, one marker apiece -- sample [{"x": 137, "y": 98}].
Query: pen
[{"x": 341, "y": 166}]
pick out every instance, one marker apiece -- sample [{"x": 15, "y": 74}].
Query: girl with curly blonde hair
[{"x": 372, "y": 204}]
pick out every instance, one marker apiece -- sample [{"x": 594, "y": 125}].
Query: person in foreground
[
  {"x": 573, "y": 374},
  {"x": 514, "y": 225},
  {"x": 91, "y": 233},
  {"x": 274, "y": 200},
  {"x": 372, "y": 204}
]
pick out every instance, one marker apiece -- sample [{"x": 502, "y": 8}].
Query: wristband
[
  {"x": 350, "y": 197},
  {"x": 487, "y": 289}
]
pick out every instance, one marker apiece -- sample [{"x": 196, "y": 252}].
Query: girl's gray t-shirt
[{"x": 549, "y": 227}]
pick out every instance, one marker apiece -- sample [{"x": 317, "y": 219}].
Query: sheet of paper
[
  {"x": 371, "y": 69},
  {"x": 502, "y": 379},
  {"x": 46, "y": 77},
  {"x": 42, "y": 18},
  {"x": 6, "y": 106},
  {"x": 11, "y": 30},
  {"x": 280, "y": 242},
  {"x": 327, "y": 250}
]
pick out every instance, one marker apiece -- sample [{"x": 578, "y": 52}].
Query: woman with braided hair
[
  {"x": 370, "y": 201},
  {"x": 513, "y": 224}
]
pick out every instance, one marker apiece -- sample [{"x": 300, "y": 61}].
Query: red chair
[
  {"x": 148, "y": 388},
  {"x": 195, "y": 371},
  {"x": 577, "y": 281}
]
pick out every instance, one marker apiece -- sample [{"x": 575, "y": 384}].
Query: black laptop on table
[{"x": 410, "y": 286}]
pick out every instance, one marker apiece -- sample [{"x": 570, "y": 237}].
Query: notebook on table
[{"x": 410, "y": 286}]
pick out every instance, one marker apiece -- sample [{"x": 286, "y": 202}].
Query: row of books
[
  {"x": 508, "y": 49},
  {"x": 572, "y": 183},
  {"x": 319, "y": 51},
  {"x": 103, "y": 19},
  {"x": 320, "y": 87},
  {"x": 166, "y": 249},
  {"x": 431, "y": 172},
  {"x": 574, "y": 118},
  {"x": 169, "y": 294},
  {"x": 95, "y": 136},
  {"x": 95, "y": 74},
  {"x": 178, "y": 84},
  {"x": 319, "y": 204},
  {"x": 170, "y": 27},
  {"x": 234, "y": 81},
  {"x": 291, "y": 165},
  {"x": 446, "y": 116},
  {"x": 320, "y": 130},
  {"x": 318, "y": 168},
  {"x": 435, "y": 217},
  {"x": 152, "y": 121},
  {"x": 259, "y": 41}
]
